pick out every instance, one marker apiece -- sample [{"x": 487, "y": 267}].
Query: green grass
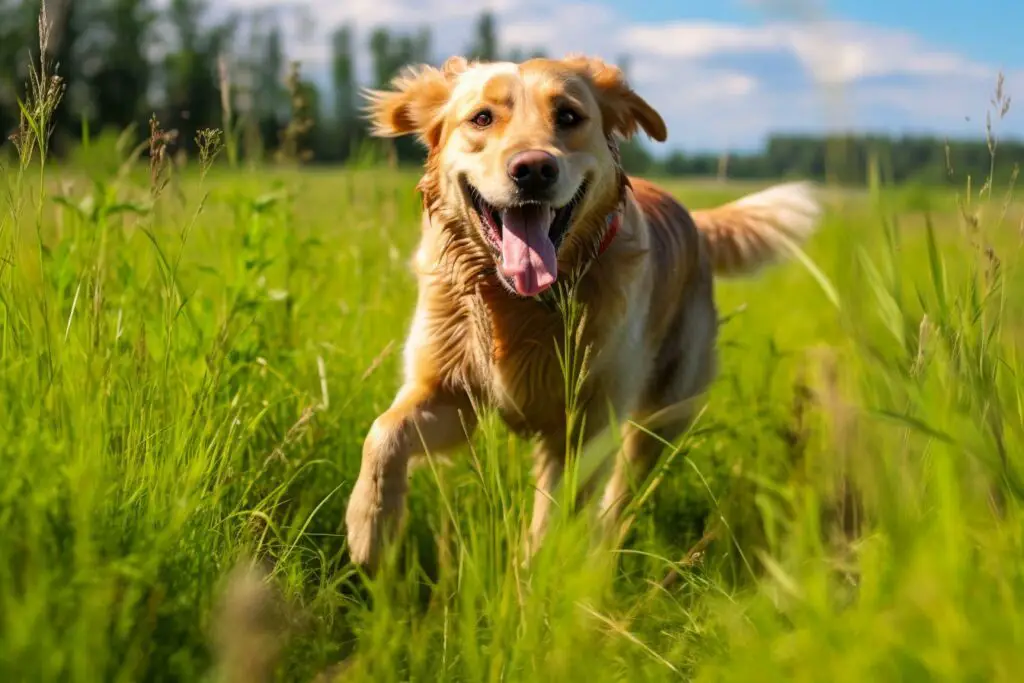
[{"x": 186, "y": 382}]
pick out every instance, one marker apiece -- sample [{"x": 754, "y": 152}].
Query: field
[{"x": 188, "y": 369}]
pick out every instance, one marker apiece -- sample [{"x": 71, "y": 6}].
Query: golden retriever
[{"x": 523, "y": 190}]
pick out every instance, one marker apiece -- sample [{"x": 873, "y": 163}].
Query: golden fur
[{"x": 650, "y": 315}]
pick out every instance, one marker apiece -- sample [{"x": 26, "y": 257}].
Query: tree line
[
  {"x": 125, "y": 61},
  {"x": 850, "y": 159}
]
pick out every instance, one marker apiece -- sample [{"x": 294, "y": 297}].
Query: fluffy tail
[{"x": 745, "y": 235}]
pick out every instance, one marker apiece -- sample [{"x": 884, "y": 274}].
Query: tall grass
[{"x": 190, "y": 358}]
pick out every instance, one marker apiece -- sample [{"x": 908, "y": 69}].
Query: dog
[{"x": 524, "y": 195}]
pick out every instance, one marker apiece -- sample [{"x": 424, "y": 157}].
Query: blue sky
[
  {"x": 997, "y": 36},
  {"x": 725, "y": 74}
]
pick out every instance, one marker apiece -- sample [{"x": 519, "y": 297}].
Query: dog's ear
[
  {"x": 415, "y": 103},
  {"x": 622, "y": 109}
]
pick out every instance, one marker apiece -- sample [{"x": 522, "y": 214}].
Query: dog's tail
[{"x": 761, "y": 228}]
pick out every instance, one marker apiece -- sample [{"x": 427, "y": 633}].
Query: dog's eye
[
  {"x": 482, "y": 119},
  {"x": 567, "y": 117}
]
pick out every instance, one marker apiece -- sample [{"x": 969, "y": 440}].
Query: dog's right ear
[{"x": 415, "y": 103}]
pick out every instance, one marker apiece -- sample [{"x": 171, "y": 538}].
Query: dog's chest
[
  {"x": 519, "y": 347},
  {"x": 528, "y": 389}
]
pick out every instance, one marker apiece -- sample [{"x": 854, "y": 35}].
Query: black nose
[{"x": 533, "y": 172}]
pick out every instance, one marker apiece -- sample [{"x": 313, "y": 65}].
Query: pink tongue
[{"x": 527, "y": 253}]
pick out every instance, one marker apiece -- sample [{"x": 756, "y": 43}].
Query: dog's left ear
[
  {"x": 415, "y": 103},
  {"x": 622, "y": 109}
]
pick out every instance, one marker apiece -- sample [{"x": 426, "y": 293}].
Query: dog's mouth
[{"x": 525, "y": 238}]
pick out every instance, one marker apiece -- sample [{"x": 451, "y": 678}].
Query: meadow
[{"x": 190, "y": 359}]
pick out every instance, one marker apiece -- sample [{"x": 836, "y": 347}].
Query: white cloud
[
  {"x": 562, "y": 28},
  {"x": 834, "y": 51},
  {"x": 717, "y": 84}
]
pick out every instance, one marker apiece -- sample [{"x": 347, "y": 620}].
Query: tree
[
  {"x": 191, "y": 71},
  {"x": 390, "y": 54},
  {"x": 380, "y": 53},
  {"x": 20, "y": 43},
  {"x": 343, "y": 76},
  {"x": 271, "y": 97},
  {"x": 117, "y": 36},
  {"x": 19, "y": 52},
  {"x": 485, "y": 44}
]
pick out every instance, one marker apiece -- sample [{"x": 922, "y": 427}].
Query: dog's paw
[{"x": 363, "y": 520}]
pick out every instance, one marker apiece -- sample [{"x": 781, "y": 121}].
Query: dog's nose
[{"x": 533, "y": 171}]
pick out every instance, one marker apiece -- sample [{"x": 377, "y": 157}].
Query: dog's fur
[{"x": 650, "y": 317}]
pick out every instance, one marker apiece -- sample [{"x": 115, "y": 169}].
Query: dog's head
[{"x": 519, "y": 154}]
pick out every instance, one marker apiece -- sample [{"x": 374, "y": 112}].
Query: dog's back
[
  {"x": 687, "y": 250},
  {"x": 740, "y": 237}
]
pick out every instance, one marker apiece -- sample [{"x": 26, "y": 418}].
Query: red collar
[{"x": 614, "y": 221}]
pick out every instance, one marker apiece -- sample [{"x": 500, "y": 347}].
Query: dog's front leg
[
  {"x": 548, "y": 466},
  {"x": 421, "y": 419},
  {"x": 549, "y": 470}
]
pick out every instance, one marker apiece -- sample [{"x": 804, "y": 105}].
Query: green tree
[
  {"x": 117, "y": 37},
  {"x": 191, "y": 70},
  {"x": 17, "y": 28},
  {"x": 380, "y": 54},
  {"x": 271, "y": 96},
  {"x": 346, "y": 90},
  {"x": 390, "y": 53},
  {"x": 20, "y": 44},
  {"x": 485, "y": 43}
]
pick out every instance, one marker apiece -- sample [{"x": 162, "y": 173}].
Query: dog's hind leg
[
  {"x": 421, "y": 419},
  {"x": 640, "y": 451},
  {"x": 687, "y": 366}
]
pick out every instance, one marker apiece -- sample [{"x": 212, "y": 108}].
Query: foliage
[{"x": 849, "y": 159}]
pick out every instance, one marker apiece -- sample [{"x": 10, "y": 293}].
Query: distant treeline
[
  {"x": 125, "y": 61},
  {"x": 847, "y": 159}
]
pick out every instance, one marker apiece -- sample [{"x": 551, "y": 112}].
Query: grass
[
  {"x": 188, "y": 369},
  {"x": 186, "y": 382}
]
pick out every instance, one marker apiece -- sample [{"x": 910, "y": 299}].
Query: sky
[{"x": 726, "y": 73}]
